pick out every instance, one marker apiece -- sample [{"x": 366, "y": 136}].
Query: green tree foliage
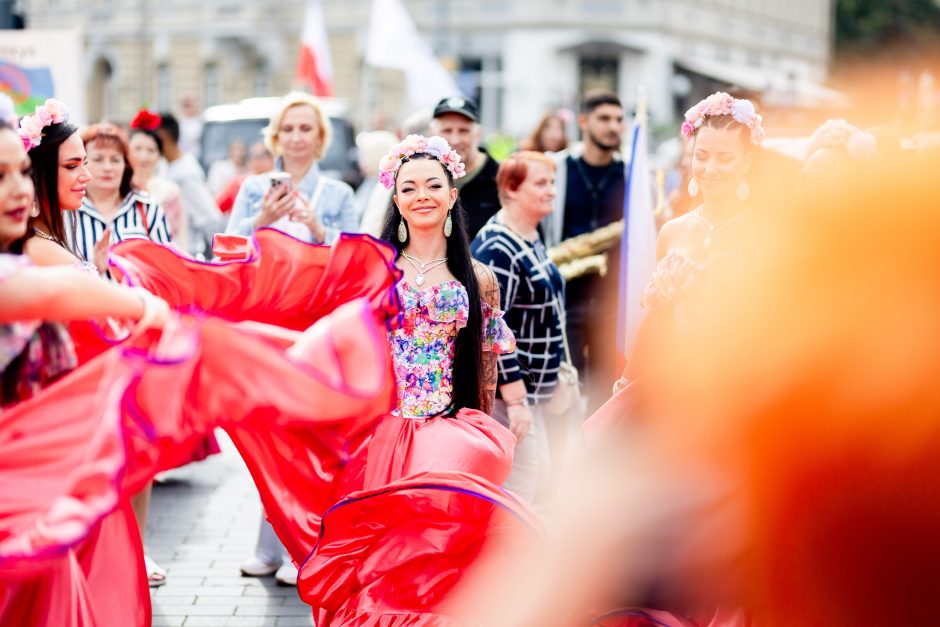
[{"x": 867, "y": 25}]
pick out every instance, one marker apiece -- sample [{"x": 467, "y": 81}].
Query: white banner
[{"x": 40, "y": 64}]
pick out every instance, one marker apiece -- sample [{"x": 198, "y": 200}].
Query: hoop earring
[
  {"x": 402, "y": 231},
  {"x": 693, "y": 187},
  {"x": 744, "y": 191},
  {"x": 448, "y": 225}
]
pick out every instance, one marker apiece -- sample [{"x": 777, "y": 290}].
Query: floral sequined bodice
[{"x": 424, "y": 344}]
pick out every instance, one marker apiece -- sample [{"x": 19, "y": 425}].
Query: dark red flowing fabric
[
  {"x": 74, "y": 452},
  {"x": 393, "y": 555}
]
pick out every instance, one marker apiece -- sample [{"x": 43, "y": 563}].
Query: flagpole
[
  {"x": 365, "y": 95},
  {"x": 642, "y": 104}
]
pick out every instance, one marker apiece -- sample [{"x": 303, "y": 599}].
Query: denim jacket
[{"x": 335, "y": 207}]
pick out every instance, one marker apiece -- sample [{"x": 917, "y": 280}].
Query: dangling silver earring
[
  {"x": 744, "y": 191},
  {"x": 693, "y": 187},
  {"x": 448, "y": 225},
  {"x": 34, "y": 210},
  {"x": 402, "y": 231}
]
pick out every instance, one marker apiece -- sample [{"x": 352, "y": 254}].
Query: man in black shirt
[
  {"x": 590, "y": 187},
  {"x": 457, "y": 120}
]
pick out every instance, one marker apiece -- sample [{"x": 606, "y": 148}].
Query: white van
[{"x": 244, "y": 120}]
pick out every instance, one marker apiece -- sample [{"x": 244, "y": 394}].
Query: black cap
[{"x": 458, "y": 104}]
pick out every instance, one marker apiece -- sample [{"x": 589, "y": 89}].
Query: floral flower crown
[
  {"x": 146, "y": 120},
  {"x": 435, "y": 146},
  {"x": 721, "y": 103},
  {"x": 52, "y": 112},
  {"x": 837, "y": 133}
]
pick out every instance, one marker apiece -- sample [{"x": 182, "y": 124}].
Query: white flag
[
  {"x": 638, "y": 246},
  {"x": 394, "y": 42},
  {"x": 314, "y": 67}
]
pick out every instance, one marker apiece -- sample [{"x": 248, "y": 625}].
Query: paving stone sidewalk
[{"x": 203, "y": 524}]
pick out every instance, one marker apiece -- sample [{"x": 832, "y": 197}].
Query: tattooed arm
[{"x": 489, "y": 292}]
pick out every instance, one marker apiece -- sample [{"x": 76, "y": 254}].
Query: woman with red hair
[
  {"x": 532, "y": 297},
  {"x": 113, "y": 210}
]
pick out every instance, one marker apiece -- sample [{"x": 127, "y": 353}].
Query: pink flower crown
[
  {"x": 721, "y": 103},
  {"x": 435, "y": 146},
  {"x": 30, "y": 131}
]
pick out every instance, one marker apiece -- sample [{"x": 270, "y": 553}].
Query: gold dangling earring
[
  {"x": 34, "y": 210},
  {"x": 693, "y": 187},
  {"x": 448, "y": 225},
  {"x": 402, "y": 231}
]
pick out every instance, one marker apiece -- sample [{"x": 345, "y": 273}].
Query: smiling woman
[
  {"x": 60, "y": 178},
  {"x": 725, "y": 132}
]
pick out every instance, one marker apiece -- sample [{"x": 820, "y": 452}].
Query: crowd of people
[{"x": 428, "y": 364}]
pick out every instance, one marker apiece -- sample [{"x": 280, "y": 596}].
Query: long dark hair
[
  {"x": 468, "y": 358},
  {"x": 45, "y": 158},
  {"x": 46, "y": 335}
]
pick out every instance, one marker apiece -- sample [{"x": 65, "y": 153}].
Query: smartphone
[{"x": 280, "y": 184}]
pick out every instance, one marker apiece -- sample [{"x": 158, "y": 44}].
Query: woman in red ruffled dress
[{"x": 428, "y": 505}]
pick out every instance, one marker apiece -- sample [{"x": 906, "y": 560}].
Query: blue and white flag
[{"x": 638, "y": 245}]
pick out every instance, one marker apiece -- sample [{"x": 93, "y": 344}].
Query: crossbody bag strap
[
  {"x": 527, "y": 250},
  {"x": 143, "y": 215}
]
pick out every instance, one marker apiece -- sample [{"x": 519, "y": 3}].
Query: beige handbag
[{"x": 568, "y": 388}]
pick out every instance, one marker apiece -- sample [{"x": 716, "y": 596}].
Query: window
[
  {"x": 262, "y": 81},
  {"x": 164, "y": 87},
  {"x": 212, "y": 85}
]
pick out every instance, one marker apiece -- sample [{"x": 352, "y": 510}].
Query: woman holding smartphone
[{"x": 296, "y": 197}]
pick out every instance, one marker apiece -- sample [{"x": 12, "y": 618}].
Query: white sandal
[{"x": 156, "y": 576}]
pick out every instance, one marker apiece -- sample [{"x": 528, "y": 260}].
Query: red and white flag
[{"x": 314, "y": 67}]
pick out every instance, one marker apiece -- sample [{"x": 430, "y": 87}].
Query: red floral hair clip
[{"x": 146, "y": 120}]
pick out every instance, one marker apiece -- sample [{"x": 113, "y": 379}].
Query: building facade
[{"x": 517, "y": 57}]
